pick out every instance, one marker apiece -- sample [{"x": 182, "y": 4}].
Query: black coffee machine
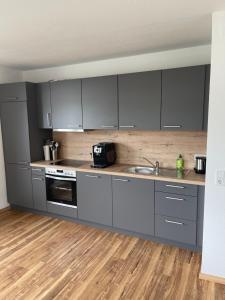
[{"x": 104, "y": 155}]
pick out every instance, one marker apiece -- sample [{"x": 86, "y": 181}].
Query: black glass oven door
[{"x": 61, "y": 190}]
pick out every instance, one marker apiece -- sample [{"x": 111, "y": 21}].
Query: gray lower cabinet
[
  {"x": 140, "y": 100},
  {"x": 173, "y": 205},
  {"x": 62, "y": 210},
  {"x": 15, "y": 132},
  {"x": 39, "y": 192},
  {"x": 19, "y": 185},
  {"x": 133, "y": 204},
  {"x": 100, "y": 103},
  {"x": 94, "y": 198},
  {"x": 43, "y": 95},
  {"x": 183, "y": 98},
  {"x": 66, "y": 104},
  {"x": 175, "y": 229}
]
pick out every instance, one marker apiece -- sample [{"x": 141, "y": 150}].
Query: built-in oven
[{"x": 61, "y": 186}]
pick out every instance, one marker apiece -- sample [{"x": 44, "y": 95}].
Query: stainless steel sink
[{"x": 141, "y": 170}]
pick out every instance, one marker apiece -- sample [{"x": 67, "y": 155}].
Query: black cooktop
[{"x": 69, "y": 163}]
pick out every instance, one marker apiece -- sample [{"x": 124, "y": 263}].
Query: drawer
[
  {"x": 173, "y": 205},
  {"x": 176, "y": 188},
  {"x": 38, "y": 171},
  {"x": 63, "y": 210},
  {"x": 175, "y": 229}
]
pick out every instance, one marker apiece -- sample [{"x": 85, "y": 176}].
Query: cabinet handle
[
  {"x": 36, "y": 178},
  {"x": 24, "y": 168},
  {"x": 23, "y": 162},
  {"x": 177, "y": 199},
  {"x": 175, "y": 186},
  {"x": 127, "y": 126},
  {"x": 92, "y": 176},
  {"x": 173, "y": 222},
  {"x": 108, "y": 126},
  {"x": 49, "y": 119},
  {"x": 12, "y": 98},
  {"x": 122, "y": 180},
  {"x": 172, "y": 126},
  {"x": 39, "y": 170}
]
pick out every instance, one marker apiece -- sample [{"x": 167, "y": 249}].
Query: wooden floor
[{"x": 46, "y": 258}]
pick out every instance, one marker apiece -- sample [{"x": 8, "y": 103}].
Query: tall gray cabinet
[
  {"x": 140, "y": 100},
  {"x": 22, "y": 139}
]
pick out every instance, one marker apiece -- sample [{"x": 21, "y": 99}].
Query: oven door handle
[{"x": 61, "y": 178}]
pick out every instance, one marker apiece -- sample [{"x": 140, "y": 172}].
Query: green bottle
[{"x": 180, "y": 163}]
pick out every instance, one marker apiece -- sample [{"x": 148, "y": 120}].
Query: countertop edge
[{"x": 118, "y": 172}]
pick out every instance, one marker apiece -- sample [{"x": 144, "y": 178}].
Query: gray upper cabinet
[
  {"x": 66, "y": 104},
  {"x": 206, "y": 103},
  {"x": 15, "y": 132},
  {"x": 140, "y": 100},
  {"x": 94, "y": 198},
  {"x": 15, "y": 91},
  {"x": 183, "y": 98},
  {"x": 100, "y": 103},
  {"x": 19, "y": 185},
  {"x": 133, "y": 204},
  {"x": 43, "y": 95}
]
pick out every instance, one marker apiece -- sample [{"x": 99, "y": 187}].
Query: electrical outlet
[{"x": 220, "y": 177}]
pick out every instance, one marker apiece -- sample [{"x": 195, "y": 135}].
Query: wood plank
[
  {"x": 47, "y": 258},
  {"x": 132, "y": 146}
]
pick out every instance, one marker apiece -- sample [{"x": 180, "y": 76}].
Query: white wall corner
[{"x": 213, "y": 262}]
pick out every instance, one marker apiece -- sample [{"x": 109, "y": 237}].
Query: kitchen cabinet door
[
  {"x": 183, "y": 98},
  {"x": 206, "y": 104},
  {"x": 13, "y": 91},
  {"x": 19, "y": 185},
  {"x": 133, "y": 204},
  {"x": 39, "y": 193},
  {"x": 140, "y": 101},
  {"x": 94, "y": 198},
  {"x": 100, "y": 103},
  {"x": 44, "y": 105},
  {"x": 66, "y": 104},
  {"x": 15, "y": 132}
]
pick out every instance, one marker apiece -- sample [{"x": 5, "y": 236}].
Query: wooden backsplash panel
[{"x": 133, "y": 145}]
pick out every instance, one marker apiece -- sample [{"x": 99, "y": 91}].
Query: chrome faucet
[{"x": 155, "y": 166}]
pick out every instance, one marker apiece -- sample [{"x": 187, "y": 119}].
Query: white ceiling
[{"x": 37, "y": 34}]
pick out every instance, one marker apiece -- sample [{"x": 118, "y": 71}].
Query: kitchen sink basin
[{"x": 141, "y": 170}]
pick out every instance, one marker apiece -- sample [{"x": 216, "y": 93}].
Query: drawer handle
[
  {"x": 122, "y": 180},
  {"x": 173, "y": 222},
  {"x": 175, "y": 186},
  {"x": 39, "y": 170},
  {"x": 177, "y": 199},
  {"x": 172, "y": 126},
  {"x": 92, "y": 176},
  {"x": 24, "y": 168},
  {"x": 127, "y": 126},
  {"x": 12, "y": 98},
  {"x": 108, "y": 126},
  {"x": 36, "y": 178}
]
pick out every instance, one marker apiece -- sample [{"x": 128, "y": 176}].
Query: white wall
[
  {"x": 213, "y": 262},
  {"x": 144, "y": 62},
  {"x": 6, "y": 75}
]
